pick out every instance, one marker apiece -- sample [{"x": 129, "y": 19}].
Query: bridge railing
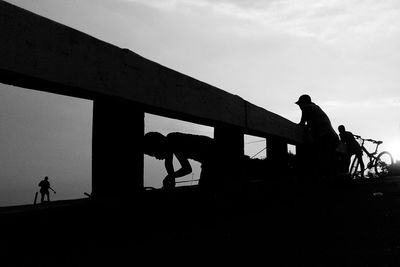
[{"x": 41, "y": 54}]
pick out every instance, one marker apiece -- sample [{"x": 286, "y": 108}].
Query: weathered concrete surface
[
  {"x": 44, "y": 55},
  {"x": 260, "y": 120}
]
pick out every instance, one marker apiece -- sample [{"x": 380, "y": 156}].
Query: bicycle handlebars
[{"x": 368, "y": 140}]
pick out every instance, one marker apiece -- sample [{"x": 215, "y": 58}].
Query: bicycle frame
[
  {"x": 376, "y": 163},
  {"x": 371, "y": 156}
]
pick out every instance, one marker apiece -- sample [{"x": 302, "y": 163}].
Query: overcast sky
[{"x": 342, "y": 53}]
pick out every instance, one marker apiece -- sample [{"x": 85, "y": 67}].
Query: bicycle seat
[{"x": 378, "y": 142}]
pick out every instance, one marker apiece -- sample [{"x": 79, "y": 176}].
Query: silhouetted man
[
  {"x": 352, "y": 146},
  {"x": 44, "y": 189},
  {"x": 184, "y": 147},
  {"x": 325, "y": 139}
]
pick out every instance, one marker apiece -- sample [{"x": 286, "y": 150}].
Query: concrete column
[
  {"x": 304, "y": 161},
  {"x": 117, "y": 158},
  {"x": 276, "y": 155},
  {"x": 230, "y": 142}
]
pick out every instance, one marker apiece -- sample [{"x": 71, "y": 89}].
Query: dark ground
[{"x": 277, "y": 224}]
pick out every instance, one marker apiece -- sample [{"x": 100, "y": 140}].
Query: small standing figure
[{"x": 44, "y": 189}]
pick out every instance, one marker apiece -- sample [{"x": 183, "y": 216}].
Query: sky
[{"x": 342, "y": 53}]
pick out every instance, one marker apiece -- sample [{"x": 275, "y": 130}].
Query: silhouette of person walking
[
  {"x": 44, "y": 189},
  {"x": 184, "y": 147},
  {"x": 353, "y": 148},
  {"x": 325, "y": 139}
]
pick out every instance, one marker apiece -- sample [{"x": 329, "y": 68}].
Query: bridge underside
[{"x": 269, "y": 219}]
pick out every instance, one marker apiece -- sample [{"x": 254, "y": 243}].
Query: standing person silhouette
[
  {"x": 325, "y": 139},
  {"x": 183, "y": 147},
  {"x": 44, "y": 189},
  {"x": 353, "y": 148}
]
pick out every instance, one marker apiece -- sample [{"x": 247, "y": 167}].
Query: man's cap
[{"x": 303, "y": 99}]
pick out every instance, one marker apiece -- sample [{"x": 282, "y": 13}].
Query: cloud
[
  {"x": 371, "y": 104},
  {"x": 328, "y": 20}
]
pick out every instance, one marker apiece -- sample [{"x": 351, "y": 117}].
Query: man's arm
[
  {"x": 303, "y": 119},
  {"x": 169, "y": 180},
  {"x": 185, "y": 169},
  {"x": 169, "y": 166}
]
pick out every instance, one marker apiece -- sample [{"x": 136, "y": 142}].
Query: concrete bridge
[{"x": 41, "y": 54}]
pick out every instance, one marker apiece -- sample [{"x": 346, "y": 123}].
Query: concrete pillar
[
  {"x": 117, "y": 158},
  {"x": 276, "y": 155},
  {"x": 230, "y": 142},
  {"x": 304, "y": 161}
]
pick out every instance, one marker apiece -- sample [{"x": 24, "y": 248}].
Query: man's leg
[{"x": 360, "y": 160}]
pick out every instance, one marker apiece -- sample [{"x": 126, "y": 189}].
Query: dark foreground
[{"x": 277, "y": 224}]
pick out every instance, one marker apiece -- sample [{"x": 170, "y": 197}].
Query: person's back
[
  {"x": 317, "y": 120},
  {"x": 325, "y": 139},
  {"x": 353, "y": 147},
  {"x": 44, "y": 185},
  {"x": 184, "y": 147},
  {"x": 196, "y": 147}
]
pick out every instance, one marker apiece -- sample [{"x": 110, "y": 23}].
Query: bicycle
[{"x": 379, "y": 164}]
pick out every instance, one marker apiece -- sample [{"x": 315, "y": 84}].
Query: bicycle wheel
[
  {"x": 382, "y": 163},
  {"x": 353, "y": 171}
]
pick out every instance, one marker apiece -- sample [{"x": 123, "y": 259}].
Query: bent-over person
[{"x": 184, "y": 147}]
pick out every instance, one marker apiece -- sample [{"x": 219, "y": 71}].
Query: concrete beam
[
  {"x": 230, "y": 143},
  {"x": 265, "y": 123},
  {"x": 44, "y": 55}
]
